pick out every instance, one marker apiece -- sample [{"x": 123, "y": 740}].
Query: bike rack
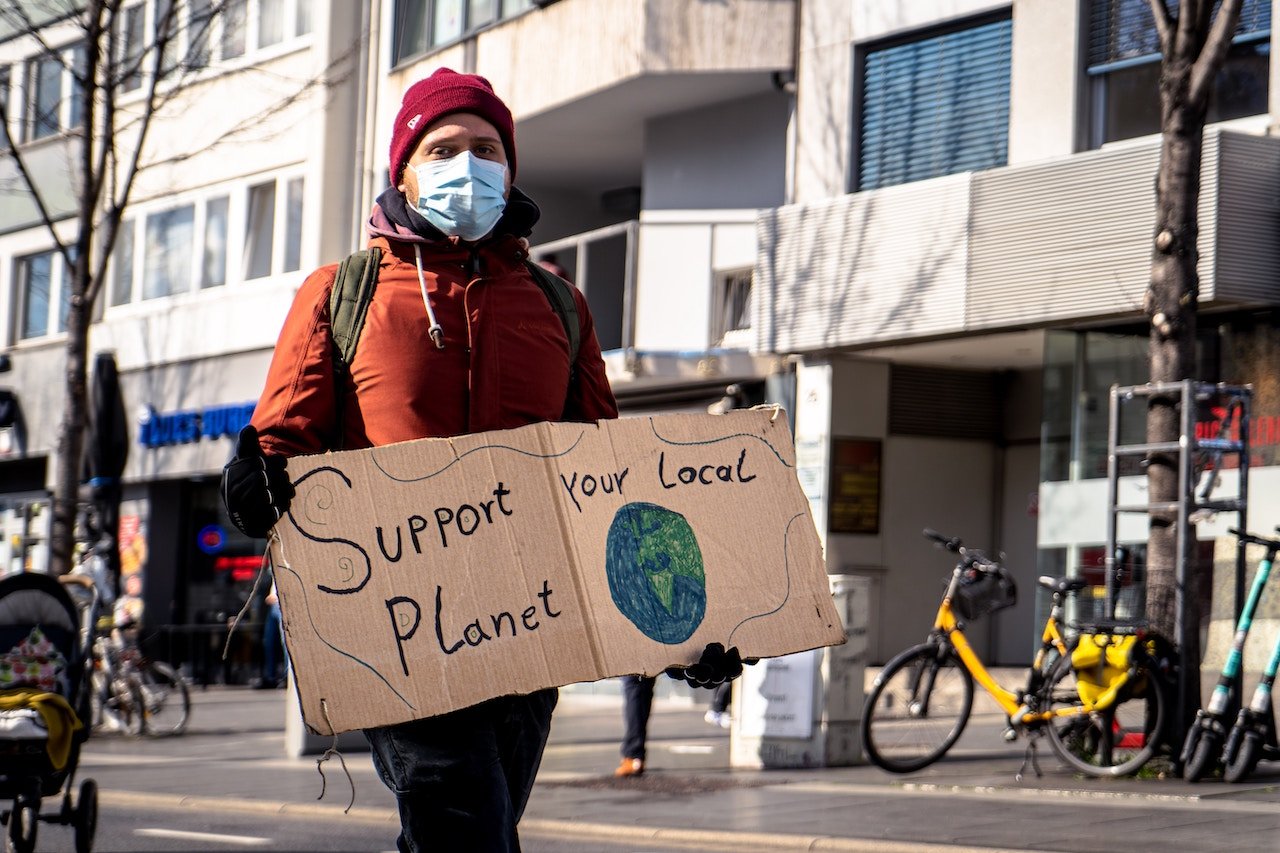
[{"x": 1192, "y": 499}]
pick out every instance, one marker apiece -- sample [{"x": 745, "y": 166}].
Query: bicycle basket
[{"x": 983, "y": 592}]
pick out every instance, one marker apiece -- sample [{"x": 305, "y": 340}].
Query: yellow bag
[{"x": 1101, "y": 662}]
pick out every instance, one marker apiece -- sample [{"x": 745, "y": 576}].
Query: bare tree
[
  {"x": 1194, "y": 38},
  {"x": 109, "y": 145}
]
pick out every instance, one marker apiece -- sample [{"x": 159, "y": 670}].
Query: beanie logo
[{"x": 413, "y": 122}]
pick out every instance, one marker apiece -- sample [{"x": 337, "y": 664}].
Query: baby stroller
[{"x": 45, "y": 642}]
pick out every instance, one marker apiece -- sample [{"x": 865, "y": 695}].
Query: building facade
[
  {"x": 922, "y": 227},
  {"x": 961, "y": 270},
  {"x": 245, "y": 185}
]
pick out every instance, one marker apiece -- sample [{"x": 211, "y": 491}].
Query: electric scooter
[
  {"x": 1253, "y": 737},
  {"x": 1202, "y": 749}
]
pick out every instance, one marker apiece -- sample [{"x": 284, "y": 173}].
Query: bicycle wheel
[
  {"x": 166, "y": 697},
  {"x": 1246, "y": 757},
  {"x": 1114, "y": 741},
  {"x": 917, "y": 708}
]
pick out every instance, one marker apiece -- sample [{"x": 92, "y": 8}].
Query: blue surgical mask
[{"x": 462, "y": 196}]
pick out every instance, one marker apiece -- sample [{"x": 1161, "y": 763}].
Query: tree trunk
[
  {"x": 70, "y": 454},
  {"x": 1171, "y": 308}
]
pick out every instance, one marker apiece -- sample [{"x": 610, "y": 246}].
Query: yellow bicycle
[{"x": 1100, "y": 699}]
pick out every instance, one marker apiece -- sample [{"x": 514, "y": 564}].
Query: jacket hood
[{"x": 394, "y": 219}]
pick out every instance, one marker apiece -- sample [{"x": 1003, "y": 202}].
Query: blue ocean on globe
[{"x": 655, "y": 571}]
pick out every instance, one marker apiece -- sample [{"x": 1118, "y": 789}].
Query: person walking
[
  {"x": 458, "y": 338},
  {"x": 272, "y": 642},
  {"x": 718, "y": 714},
  {"x": 637, "y": 703}
]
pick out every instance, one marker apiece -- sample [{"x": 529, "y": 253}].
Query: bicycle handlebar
[
  {"x": 969, "y": 557},
  {"x": 952, "y": 543},
  {"x": 1244, "y": 536}
]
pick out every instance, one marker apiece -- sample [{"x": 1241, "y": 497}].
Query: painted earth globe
[{"x": 655, "y": 572}]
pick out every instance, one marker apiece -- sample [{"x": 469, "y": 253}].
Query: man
[{"x": 458, "y": 338}]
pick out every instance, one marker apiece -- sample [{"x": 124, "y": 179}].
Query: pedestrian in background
[
  {"x": 272, "y": 642},
  {"x": 637, "y": 704}
]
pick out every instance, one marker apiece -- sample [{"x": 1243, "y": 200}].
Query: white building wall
[
  {"x": 731, "y": 155},
  {"x": 1046, "y": 81}
]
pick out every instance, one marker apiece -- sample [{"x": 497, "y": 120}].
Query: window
[
  {"x": 167, "y": 260},
  {"x": 76, "y": 106},
  {"x": 133, "y": 37},
  {"x": 44, "y": 78},
  {"x": 235, "y": 21},
  {"x": 213, "y": 266},
  {"x": 195, "y": 247},
  {"x": 420, "y": 25},
  {"x": 731, "y": 305},
  {"x": 293, "y": 225},
  {"x": 42, "y": 283},
  {"x": 53, "y": 96},
  {"x": 260, "y": 226},
  {"x": 1124, "y": 69},
  {"x": 935, "y": 105},
  {"x": 4, "y": 101},
  {"x": 166, "y": 26},
  {"x": 270, "y": 22},
  {"x": 304, "y": 21},
  {"x": 122, "y": 269},
  {"x": 202, "y": 19}
]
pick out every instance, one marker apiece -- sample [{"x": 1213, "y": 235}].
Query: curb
[{"x": 746, "y": 842}]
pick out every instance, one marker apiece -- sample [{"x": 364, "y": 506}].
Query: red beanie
[{"x": 444, "y": 92}]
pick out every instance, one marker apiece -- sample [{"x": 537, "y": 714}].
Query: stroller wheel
[
  {"x": 23, "y": 821},
  {"x": 86, "y": 816}
]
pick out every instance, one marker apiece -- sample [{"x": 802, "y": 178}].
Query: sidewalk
[{"x": 233, "y": 759}]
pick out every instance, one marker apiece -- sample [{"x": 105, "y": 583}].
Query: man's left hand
[{"x": 714, "y": 667}]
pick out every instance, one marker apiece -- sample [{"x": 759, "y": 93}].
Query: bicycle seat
[{"x": 1062, "y": 586}]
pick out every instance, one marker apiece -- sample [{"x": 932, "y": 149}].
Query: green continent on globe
[{"x": 655, "y": 571}]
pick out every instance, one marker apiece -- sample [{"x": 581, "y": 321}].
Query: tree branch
[
  {"x": 1164, "y": 23},
  {"x": 1214, "y": 51}
]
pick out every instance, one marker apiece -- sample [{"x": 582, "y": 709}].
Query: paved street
[{"x": 229, "y": 777}]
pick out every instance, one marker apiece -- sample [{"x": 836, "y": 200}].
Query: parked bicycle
[
  {"x": 1253, "y": 735},
  {"x": 135, "y": 694},
  {"x": 1101, "y": 700}
]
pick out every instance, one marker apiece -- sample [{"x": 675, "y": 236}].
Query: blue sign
[
  {"x": 211, "y": 539},
  {"x": 161, "y": 429}
]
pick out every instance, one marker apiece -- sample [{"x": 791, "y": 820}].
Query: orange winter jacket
[{"x": 505, "y": 361}]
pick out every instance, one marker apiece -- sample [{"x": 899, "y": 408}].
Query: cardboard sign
[{"x": 422, "y": 577}]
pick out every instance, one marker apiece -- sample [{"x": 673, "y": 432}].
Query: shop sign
[
  {"x": 431, "y": 575},
  {"x": 855, "y": 486},
  {"x": 161, "y": 429}
]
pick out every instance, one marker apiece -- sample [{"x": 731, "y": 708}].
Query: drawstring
[{"x": 436, "y": 333}]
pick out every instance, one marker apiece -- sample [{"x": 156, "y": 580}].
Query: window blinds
[{"x": 935, "y": 106}]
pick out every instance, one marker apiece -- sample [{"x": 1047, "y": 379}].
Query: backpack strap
[
  {"x": 349, "y": 300},
  {"x": 353, "y": 288},
  {"x": 560, "y": 294}
]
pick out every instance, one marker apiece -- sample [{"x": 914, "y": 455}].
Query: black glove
[
  {"x": 255, "y": 488},
  {"x": 715, "y": 666}
]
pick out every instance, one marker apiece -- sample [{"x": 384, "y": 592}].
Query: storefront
[
  {"x": 1236, "y": 348},
  {"x": 198, "y": 571}
]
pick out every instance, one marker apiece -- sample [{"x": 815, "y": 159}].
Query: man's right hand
[{"x": 255, "y": 488}]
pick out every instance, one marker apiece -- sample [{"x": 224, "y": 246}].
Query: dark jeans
[
  {"x": 462, "y": 779},
  {"x": 272, "y": 646},
  {"x": 637, "y": 690}
]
